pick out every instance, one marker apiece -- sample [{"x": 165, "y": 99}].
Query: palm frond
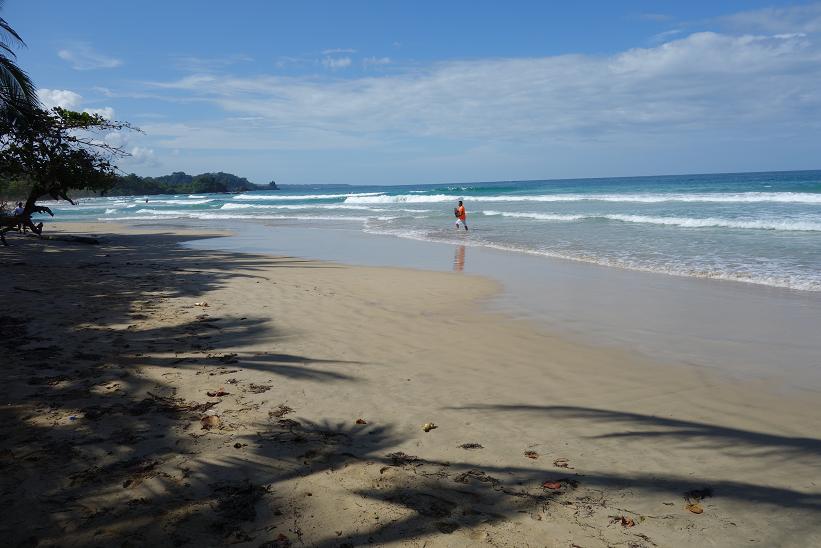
[{"x": 16, "y": 84}]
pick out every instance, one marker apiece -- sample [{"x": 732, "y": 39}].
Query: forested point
[{"x": 178, "y": 182}]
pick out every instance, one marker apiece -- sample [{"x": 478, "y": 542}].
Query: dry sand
[{"x": 107, "y": 362}]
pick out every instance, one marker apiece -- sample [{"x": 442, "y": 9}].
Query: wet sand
[{"x": 323, "y": 376}]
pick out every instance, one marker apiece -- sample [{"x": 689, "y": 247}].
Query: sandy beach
[{"x": 321, "y": 377}]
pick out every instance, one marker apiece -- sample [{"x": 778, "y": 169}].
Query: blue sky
[{"x": 368, "y": 92}]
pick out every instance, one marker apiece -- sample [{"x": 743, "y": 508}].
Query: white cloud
[
  {"x": 375, "y": 61},
  {"x": 792, "y": 19},
  {"x": 116, "y": 139},
  {"x": 64, "y": 98},
  {"x": 206, "y": 64},
  {"x": 337, "y": 50},
  {"x": 105, "y": 112},
  {"x": 141, "y": 156},
  {"x": 83, "y": 57},
  {"x": 665, "y": 36},
  {"x": 336, "y": 62},
  {"x": 706, "y": 82}
]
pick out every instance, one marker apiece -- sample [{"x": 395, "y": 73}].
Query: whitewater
[{"x": 760, "y": 228}]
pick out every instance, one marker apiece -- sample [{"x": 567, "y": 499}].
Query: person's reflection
[{"x": 459, "y": 259}]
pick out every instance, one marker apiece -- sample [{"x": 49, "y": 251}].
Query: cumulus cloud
[
  {"x": 64, "y": 98},
  {"x": 205, "y": 64},
  {"x": 105, "y": 112},
  {"x": 83, "y": 57},
  {"x": 337, "y": 50},
  {"x": 141, "y": 156},
  {"x": 718, "y": 84},
  {"x": 792, "y": 19},
  {"x": 336, "y": 62},
  {"x": 375, "y": 61}
]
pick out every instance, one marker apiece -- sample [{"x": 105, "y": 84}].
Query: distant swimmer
[{"x": 460, "y": 216}]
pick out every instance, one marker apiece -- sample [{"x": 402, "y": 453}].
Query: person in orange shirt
[{"x": 460, "y": 216}]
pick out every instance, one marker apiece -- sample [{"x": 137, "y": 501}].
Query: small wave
[
  {"x": 762, "y": 278},
  {"x": 272, "y": 197},
  {"x": 300, "y": 206},
  {"x": 536, "y": 216},
  {"x": 689, "y": 222},
  {"x": 741, "y": 197},
  {"x": 343, "y": 207},
  {"x": 163, "y": 212},
  {"x": 684, "y": 222},
  {"x": 156, "y": 215},
  {"x": 179, "y": 202}
]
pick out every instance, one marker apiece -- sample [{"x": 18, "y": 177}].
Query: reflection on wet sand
[{"x": 459, "y": 259}]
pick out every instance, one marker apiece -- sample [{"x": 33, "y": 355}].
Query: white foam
[
  {"x": 155, "y": 215},
  {"x": 344, "y": 207},
  {"x": 741, "y": 197},
  {"x": 689, "y": 222},
  {"x": 536, "y": 216},
  {"x": 684, "y": 222},
  {"x": 273, "y": 197},
  {"x": 179, "y": 202},
  {"x": 762, "y": 278}
]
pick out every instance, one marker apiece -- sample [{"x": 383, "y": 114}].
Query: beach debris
[
  {"x": 428, "y": 426},
  {"x": 478, "y": 475},
  {"x": 170, "y": 405},
  {"x": 625, "y": 521},
  {"x": 210, "y": 421},
  {"x": 280, "y": 411},
  {"x": 562, "y": 463},
  {"x": 554, "y": 485},
  {"x": 695, "y": 508},
  {"x": 258, "y": 388},
  {"x": 694, "y": 497},
  {"x": 400, "y": 459},
  {"x": 218, "y": 393},
  {"x": 470, "y": 446},
  {"x": 202, "y": 304},
  {"x": 361, "y": 421},
  {"x": 532, "y": 454}
]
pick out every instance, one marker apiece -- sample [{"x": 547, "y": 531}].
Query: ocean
[{"x": 760, "y": 228}]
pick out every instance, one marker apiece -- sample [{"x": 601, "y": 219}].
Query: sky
[{"x": 405, "y": 92}]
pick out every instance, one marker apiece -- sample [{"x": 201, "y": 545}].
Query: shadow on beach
[{"x": 96, "y": 452}]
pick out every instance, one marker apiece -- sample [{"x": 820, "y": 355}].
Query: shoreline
[
  {"x": 736, "y": 329},
  {"x": 125, "y": 351}
]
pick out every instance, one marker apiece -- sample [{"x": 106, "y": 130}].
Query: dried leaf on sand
[{"x": 210, "y": 421}]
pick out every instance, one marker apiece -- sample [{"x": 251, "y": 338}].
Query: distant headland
[{"x": 180, "y": 182}]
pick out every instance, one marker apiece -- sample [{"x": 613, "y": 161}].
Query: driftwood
[{"x": 14, "y": 222}]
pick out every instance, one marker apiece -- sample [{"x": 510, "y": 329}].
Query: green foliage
[
  {"x": 180, "y": 183},
  {"x": 57, "y": 151},
  {"x": 11, "y": 190}
]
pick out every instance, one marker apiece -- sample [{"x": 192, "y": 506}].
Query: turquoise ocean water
[{"x": 762, "y": 228}]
